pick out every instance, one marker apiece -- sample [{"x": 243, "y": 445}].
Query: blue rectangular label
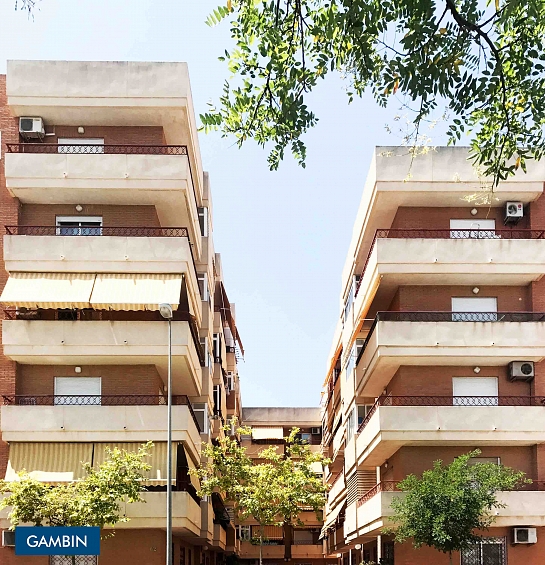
[{"x": 31, "y": 540}]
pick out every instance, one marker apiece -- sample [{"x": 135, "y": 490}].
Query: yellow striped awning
[
  {"x": 157, "y": 475},
  {"x": 48, "y": 290},
  {"x": 48, "y": 462},
  {"x": 126, "y": 291},
  {"x": 267, "y": 433}
]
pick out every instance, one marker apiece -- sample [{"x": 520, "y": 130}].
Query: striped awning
[
  {"x": 48, "y": 462},
  {"x": 48, "y": 290},
  {"x": 331, "y": 517},
  {"x": 267, "y": 433},
  {"x": 157, "y": 475},
  {"x": 126, "y": 291}
]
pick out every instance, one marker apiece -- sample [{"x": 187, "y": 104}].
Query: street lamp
[{"x": 166, "y": 312}]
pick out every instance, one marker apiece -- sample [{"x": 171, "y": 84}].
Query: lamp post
[{"x": 166, "y": 312}]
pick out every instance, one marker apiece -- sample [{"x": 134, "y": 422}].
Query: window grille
[
  {"x": 487, "y": 551},
  {"x": 69, "y": 560}
]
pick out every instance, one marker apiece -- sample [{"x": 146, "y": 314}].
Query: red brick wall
[
  {"x": 536, "y": 214},
  {"x": 439, "y": 218},
  {"x": 415, "y": 460},
  {"x": 9, "y": 214},
  {"x": 438, "y": 298},
  {"x": 437, "y": 381},
  {"x": 533, "y": 554},
  {"x": 124, "y": 135},
  {"x": 45, "y": 214},
  {"x": 116, "y": 379}
]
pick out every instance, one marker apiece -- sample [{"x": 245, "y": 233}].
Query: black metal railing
[
  {"x": 447, "y": 234},
  {"x": 98, "y": 149},
  {"x": 387, "y": 400},
  {"x": 487, "y": 317},
  {"x": 119, "y": 231},
  {"x": 98, "y": 400}
]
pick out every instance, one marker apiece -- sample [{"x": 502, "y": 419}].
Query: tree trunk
[
  {"x": 73, "y": 560},
  {"x": 288, "y": 540},
  {"x": 261, "y": 544},
  {"x": 450, "y": 557}
]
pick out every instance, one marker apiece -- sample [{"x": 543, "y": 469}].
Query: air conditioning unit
[
  {"x": 514, "y": 211},
  {"x": 316, "y": 431},
  {"x": 8, "y": 538},
  {"x": 524, "y": 535},
  {"x": 521, "y": 371},
  {"x": 31, "y": 128}
]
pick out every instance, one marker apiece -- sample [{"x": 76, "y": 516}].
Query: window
[
  {"x": 304, "y": 437},
  {"x": 475, "y": 391},
  {"x": 217, "y": 347},
  {"x": 203, "y": 220},
  {"x": 363, "y": 410},
  {"x": 477, "y": 460},
  {"x": 488, "y": 551},
  {"x": 350, "y": 363},
  {"x": 71, "y": 144},
  {"x": 67, "y": 314},
  {"x": 201, "y": 413},
  {"x": 217, "y": 399},
  {"x": 202, "y": 279},
  {"x": 245, "y": 533},
  {"x": 474, "y": 309},
  {"x": 78, "y": 390},
  {"x": 350, "y": 298},
  {"x": 204, "y": 346},
  {"x": 351, "y": 424},
  {"x": 71, "y": 560},
  {"x": 229, "y": 382},
  {"x": 79, "y": 225},
  {"x": 465, "y": 229},
  {"x": 359, "y": 347}
]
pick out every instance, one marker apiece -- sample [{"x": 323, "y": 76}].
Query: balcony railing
[
  {"x": 451, "y": 401},
  {"x": 116, "y": 231},
  {"x": 383, "y": 486},
  {"x": 447, "y": 234},
  {"x": 109, "y": 149},
  {"x": 449, "y": 317},
  {"x": 98, "y": 400},
  {"x": 103, "y": 315},
  {"x": 392, "y": 486}
]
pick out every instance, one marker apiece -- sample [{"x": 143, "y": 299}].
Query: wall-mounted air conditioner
[
  {"x": 31, "y": 128},
  {"x": 524, "y": 535},
  {"x": 521, "y": 371},
  {"x": 514, "y": 211},
  {"x": 8, "y": 538}
]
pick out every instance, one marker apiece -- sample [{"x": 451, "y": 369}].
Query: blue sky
[{"x": 283, "y": 235}]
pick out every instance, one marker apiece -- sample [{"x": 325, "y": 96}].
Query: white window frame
[
  {"x": 206, "y": 416},
  {"x": 363, "y": 410},
  {"x": 230, "y": 382},
  {"x": 488, "y": 312},
  {"x": 350, "y": 363},
  {"x": 216, "y": 341},
  {"x": 492, "y": 398},
  {"x": 202, "y": 212},
  {"x": 204, "y": 343},
  {"x": 78, "y": 219},
  {"x": 216, "y": 395},
  {"x": 351, "y": 424},
  {"x": 98, "y": 380},
  {"x": 206, "y": 291},
  {"x": 473, "y": 228},
  {"x": 71, "y": 141},
  {"x": 247, "y": 535}
]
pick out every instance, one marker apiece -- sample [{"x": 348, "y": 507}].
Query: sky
[{"x": 283, "y": 235}]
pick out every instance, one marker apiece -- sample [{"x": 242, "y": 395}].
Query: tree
[
  {"x": 484, "y": 61},
  {"x": 445, "y": 507},
  {"x": 91, "y": 501},
  {"x": 271, "y": 492}
]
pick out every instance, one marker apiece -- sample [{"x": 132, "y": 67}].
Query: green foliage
[
  {"x": 91, "y": 501},
  {"x": 484, "y": 61},
  {"x": 444, "y": 508},
  {"x": 273, "y": 491}
]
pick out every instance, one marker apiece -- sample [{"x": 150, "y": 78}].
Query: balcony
[
  {"x": 220, "y": 537},
  {"x": 523, "y": 508},
  {"x": 103, "y": 250},
  {"x": 109, "y": 93},
  {"x": 108, "y": 342},
  {"x": 186, "y": 518},
  {"x": 395, "y": 421},
  {"x": 250, "y": 551},
  {"x": 415, "y": 257},
  {"x": 307, "y": 550},
  {"x": 106, "y": 418},
  {"x": 107, "y": 174},
  {"x": 446, "y": 338}
]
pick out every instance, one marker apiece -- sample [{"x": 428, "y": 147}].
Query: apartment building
[
  {"x": 439, "y": 350},
  {"x": 107, "y": 214},
  {"x": 294, "y": 545}
]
